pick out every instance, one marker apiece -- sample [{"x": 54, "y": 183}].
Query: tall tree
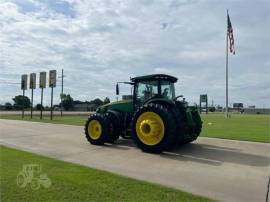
[
  {"x": 97, "y": 102},
  {"x": 20, "y": 101},
  {"x": 39, "y": 106},
  {"x": 106, "y": 100},
  {"x": 8, "y": 106},
  {"x": 68, "y": 102}
]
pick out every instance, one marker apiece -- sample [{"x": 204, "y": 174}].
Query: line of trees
[{"x": 67, "y": 101}]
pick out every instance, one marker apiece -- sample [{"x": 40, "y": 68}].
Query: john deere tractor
[{"x": 153, "y": 116}]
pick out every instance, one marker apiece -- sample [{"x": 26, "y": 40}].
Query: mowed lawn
[
  {"x": 238, "y": 127},
  {"x": 68, "y": 119},
  {"x": 72, "y": 182}
]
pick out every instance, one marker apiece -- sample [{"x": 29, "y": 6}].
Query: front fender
[{"x": 117, "y": 114}]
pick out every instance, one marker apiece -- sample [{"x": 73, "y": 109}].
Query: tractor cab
[{"x": 149, "y": 87}]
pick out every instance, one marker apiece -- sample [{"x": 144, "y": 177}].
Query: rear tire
[
  {"x": 198, "y": 128},
  {"x": 180, "y": 124},
  {"x": 153, "y": 128},
  {"x": 96, "y": 129},
  {"x": 195, "y": 131}
]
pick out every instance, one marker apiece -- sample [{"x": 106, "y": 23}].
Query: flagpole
[{"x": 227, "y": 94}]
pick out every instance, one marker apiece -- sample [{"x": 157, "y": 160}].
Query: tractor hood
[{"x": 123, "y": 106}]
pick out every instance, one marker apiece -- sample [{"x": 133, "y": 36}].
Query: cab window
[
  {"x": 145, "y": 90},
  {"x": 167, "y": 89}
]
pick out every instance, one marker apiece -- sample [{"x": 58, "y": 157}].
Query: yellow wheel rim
[
  {"x": 150, "y": 128},
  {"x": 94, "y": 129}
]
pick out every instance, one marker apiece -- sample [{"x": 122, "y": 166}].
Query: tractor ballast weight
[{"x": 154, "y": 118}]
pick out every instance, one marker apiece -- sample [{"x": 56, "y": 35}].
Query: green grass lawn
[
  {"x": 238, "y": 127},
  {"x": 70, "y": 120},
  {"x": 71, "y": 182}
]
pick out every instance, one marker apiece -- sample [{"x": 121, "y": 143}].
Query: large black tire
[
  {"x": 168, "y": 137},
  {"x": 181, "y": 126},
  {"x": 198, "y": 128},
  {"x": 102, "y": 130},
  {"x": 115, "y": 127},
  {"x": 194, "y": 132}
]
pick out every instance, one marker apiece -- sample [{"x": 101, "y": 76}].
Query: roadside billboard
[
  {"x": 52, "y": 78},
  {"x": 42, "y": 80},
  {"x": 24, "y": 82},
  {"x": 203, "y": 98},
  {"x": 32, "y": 81}
]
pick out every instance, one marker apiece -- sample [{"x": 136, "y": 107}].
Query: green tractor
[{"x": 152, "y": 116}]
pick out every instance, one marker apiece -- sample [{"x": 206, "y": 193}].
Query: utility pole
[
  {"x": 62, "y": 90},
  {"x": 62, "y": 86},
  {"x": 32, "y": 91},
  {"x": 51, "y": 102},
  {"x": 23, "y": 104},
  {"x": 41, "y": 103}
]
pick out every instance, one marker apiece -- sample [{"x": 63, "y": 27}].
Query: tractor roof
[{"x": 154, "y": 77}]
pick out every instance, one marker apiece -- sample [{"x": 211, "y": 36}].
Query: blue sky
[{"x": 101, "y": 42}]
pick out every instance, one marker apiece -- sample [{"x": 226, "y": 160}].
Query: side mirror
[{"x": 117, "y": 89}]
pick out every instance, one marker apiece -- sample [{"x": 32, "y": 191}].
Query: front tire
[
  {"x": 96, "y": 129},
  {"x": 153, "y": 128}
]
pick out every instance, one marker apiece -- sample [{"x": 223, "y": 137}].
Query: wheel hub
[
  {"x": 94, "y": 129},
  {"x": 150, "y": 128}
]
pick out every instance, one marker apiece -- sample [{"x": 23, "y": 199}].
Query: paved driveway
[{"x": 221, "y": 169}]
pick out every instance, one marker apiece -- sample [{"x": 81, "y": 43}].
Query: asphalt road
[{"x": 225, "y": 170}]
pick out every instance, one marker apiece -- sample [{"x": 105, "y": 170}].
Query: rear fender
[
  {"x": 195, "y": 115},
  {"x": 161, "y": 101},
  {"x": 190, "y": 121}
]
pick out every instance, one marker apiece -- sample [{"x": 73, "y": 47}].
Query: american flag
[{"x": 230, "y": 34}]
